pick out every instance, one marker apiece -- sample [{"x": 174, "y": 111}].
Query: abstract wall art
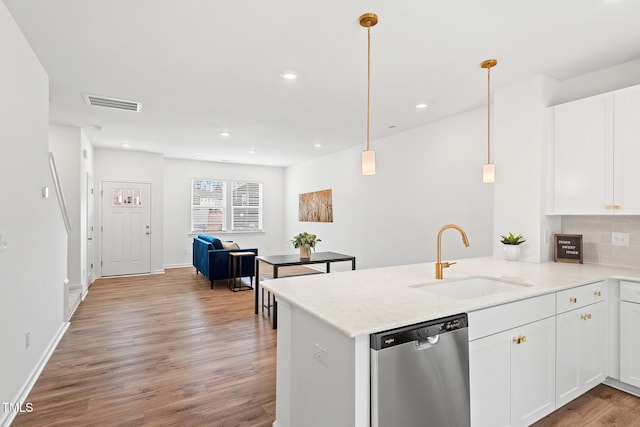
[{"x": 315, "y": 207}]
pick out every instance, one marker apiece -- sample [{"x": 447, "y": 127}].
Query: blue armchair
[{"x": 212, "y": 260}]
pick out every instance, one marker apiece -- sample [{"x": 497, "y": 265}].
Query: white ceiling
[{"x": 201, "y": 67}]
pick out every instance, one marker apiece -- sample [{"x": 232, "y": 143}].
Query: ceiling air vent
[{"x": 119, "y": 104}]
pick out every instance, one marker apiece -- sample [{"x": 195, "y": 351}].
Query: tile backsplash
[{"x": 596, "y": 232}]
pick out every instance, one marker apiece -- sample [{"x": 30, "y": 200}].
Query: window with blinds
[
  {"x": 208, "y": 205},
  {"x": 246, "y": 206},
  {"x": 218, "y": 204}
]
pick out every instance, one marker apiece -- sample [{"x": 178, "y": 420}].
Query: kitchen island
[{"x": 325, "y": 322}]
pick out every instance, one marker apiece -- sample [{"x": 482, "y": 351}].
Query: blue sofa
[{"x": 212, "y": 260}]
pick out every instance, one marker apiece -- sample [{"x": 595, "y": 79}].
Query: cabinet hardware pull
[
  {"x": 616, "y": 206},
  {"x": 607, "y": 206},
  {"x": 573, "y": 300},
  {"x": 598, "y": 293},
  {"x": 521, "y": 339}
]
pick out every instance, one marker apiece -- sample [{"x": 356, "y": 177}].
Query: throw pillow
[{"x": 230, "y": 245}]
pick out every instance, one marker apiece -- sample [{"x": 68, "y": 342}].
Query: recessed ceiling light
[
  {"x": 252, "y": 151},
  {"x": 317, "y": 145},
  {"x": 225, "y": 134},
  {"x": 422, "y": 106},
  {"x": 289, "y": 75},
  {"x": 125, "y": 145},
  {"x": 198, "y": 156}
]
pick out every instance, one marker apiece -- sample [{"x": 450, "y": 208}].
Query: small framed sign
[{"x": 567, "y": 248}]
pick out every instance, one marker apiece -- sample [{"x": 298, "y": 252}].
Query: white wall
[
  {"x": 64, "y": 142},
  {"x": 425, "y": 178},
  {"x": 33, "y": 267},
  {"x": 520, "y": 121},
  {"x": 68, "y": 145},
  {"x": 177, "y": 215},
  {"x": 601, "y": 81},
  {"x": 134, "y": 166}
]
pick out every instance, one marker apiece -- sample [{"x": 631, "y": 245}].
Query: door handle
[
  {"x": 147, "y": 233},
  {"x": 89, "y": 238}
]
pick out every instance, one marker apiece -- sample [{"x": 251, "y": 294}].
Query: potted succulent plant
[
  {"x": 305, "y": 241},
  {"x": 512, "y": 244}
]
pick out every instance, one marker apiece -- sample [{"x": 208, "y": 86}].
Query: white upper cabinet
[
  {"x": 596, "y": 155},
  {"x": 626, "y": 171},
  {"x": 582, "y": 155}
]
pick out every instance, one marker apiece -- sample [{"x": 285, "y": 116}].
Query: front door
[{"x": 126, "y": 228}]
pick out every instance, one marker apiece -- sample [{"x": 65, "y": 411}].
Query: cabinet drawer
[
  {"x": 580, "y": 296},
  {"x": 496, "y": 319},
  {"x": 630, "y": 291}
]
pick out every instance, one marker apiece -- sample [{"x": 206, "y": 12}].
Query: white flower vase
[
  {"x": 511, "y": 252},
  {"x": 305, "y": 251}
]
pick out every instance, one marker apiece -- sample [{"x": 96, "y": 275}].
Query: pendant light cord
[
  {"x": 368, "y": 85},
  {"x": 488, "y": 115}
]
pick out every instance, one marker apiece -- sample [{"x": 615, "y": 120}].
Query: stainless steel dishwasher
[{"x": 420, "y": 375}]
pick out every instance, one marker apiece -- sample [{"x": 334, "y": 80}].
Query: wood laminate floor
[
  {"x": 160, "y": 350},
  {"x": 166, "y": 350},
  {"x": 601, "y": 406}
]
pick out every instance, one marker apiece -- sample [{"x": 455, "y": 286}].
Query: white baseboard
[
  {"x": 6, "y": 418},
  {"x": 178, "y": 265},
  {"x": 611, "y": 382}
]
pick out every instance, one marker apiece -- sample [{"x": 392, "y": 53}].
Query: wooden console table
[{"x": 278, "y": 261}]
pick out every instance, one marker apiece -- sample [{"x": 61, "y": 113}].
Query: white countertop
[{"x": 371, "y": 300}]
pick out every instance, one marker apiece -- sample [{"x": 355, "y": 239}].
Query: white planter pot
[{"x": 511, "y": 252}]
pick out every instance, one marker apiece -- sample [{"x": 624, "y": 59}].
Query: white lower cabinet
[
  {"x": 581, "y": 348},
  {"x": 512, "y": 375},
  {"x": 629, "y": 333}
]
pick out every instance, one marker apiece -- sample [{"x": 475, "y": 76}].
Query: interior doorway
[
  {"x": 90, "y": 268},
  {"x": 126, "y": 228}
]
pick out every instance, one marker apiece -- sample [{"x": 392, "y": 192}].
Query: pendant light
[
  {"x": 368, "y": 20},
  {"x": 488, "y": 169}
]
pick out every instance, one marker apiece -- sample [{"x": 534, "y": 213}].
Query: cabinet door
[
  {"x": 593, "y": 338},
  {"x": 568, "y": 356},
  {"x": 583, "y": 156},
  {"x": 489, "y": 380},
  {"x": 581, "y": 351},
  {"x": 627, "y": 151},
  {"x": 533, "y": 371},
  {"x": 630, "y": 343}
]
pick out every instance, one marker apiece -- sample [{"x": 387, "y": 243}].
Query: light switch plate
[
  {"x": 3, "y": 242},
  {"x": 620, "y": 239}
]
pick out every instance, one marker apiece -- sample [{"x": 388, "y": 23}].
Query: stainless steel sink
[{"x": 472, "y": 287}]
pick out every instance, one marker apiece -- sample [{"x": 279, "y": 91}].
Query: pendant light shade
[
  {"x": 368, "y": 20},
  {"x": 489, "y": 169},
  {"x": 488, "y": 173},
  {"x": 368, "y": 162}
]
